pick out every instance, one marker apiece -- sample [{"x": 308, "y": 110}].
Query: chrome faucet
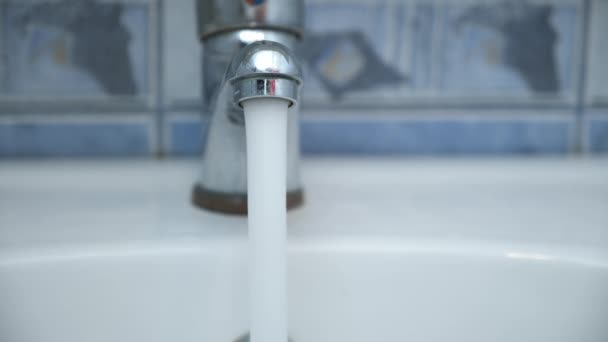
[{"x": 247, "y": 53}]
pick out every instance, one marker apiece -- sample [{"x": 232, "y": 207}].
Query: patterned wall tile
[
  {"x": 509, "y": 48},
  {"x": 348, "y": 50},
  {"x": 372, "y": 54},
  {"x": 76, "y": 49}
]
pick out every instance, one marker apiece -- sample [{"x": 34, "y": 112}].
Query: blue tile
[
  {"x": 44, "y": 139},
  {"x": 54, "y": 48},
  {"x": 598, "y": 134},
  {"x": 188, "y": 137},
  {"x": 403, "y": 137},
  {"x": 435, "y": 137}
]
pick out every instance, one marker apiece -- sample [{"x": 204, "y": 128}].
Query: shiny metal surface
[
  {"x": 220, "y": 16},
  {"x": 220, "y": 50},
  {"x": 248, "y": 53},
  {"x": 253, "y": 88},
  {"x": 260, "y": 69},
  {"x": 265, "y": 69}
]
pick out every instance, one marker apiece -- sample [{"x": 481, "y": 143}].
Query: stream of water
[{"x": 266, "y": 128}]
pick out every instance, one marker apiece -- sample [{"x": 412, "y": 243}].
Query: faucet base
[{"x": 235, "y": 203}]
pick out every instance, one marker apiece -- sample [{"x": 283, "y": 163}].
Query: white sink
[{"x": 475, "y": 251}]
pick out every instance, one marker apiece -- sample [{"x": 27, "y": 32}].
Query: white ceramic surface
[{"x": 418, "y": 250}]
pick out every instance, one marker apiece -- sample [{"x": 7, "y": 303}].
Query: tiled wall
[{"x": 122, "y": 78}]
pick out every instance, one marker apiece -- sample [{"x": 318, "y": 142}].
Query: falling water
[{"x": 266, "y": 127}]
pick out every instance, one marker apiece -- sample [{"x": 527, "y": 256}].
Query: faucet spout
[{"x": 262, "y": 69}]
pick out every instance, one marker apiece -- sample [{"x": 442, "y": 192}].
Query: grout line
[
  {"x": 459, "y": 2},
  {"x": 316, "y": 115},
  {"x": 391, "y": 28},
  {"x": 159, "y": 118},
  {"x": 76, "y": 118},
  {"x": 413, "y": 114},
  {"x": 439, "y": 118},
  {"x": 3, "y": 53},
  {"x": 580, "y": 141},
  {"x": 408, "y": 43},
  {"x": 437, "y": 40},
  {"x": 393, "y": 38}
]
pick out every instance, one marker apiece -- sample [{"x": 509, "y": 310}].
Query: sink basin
[{"x": 384, "y": 250}]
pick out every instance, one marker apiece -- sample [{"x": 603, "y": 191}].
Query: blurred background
[{"x": 88, "y": 78}]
